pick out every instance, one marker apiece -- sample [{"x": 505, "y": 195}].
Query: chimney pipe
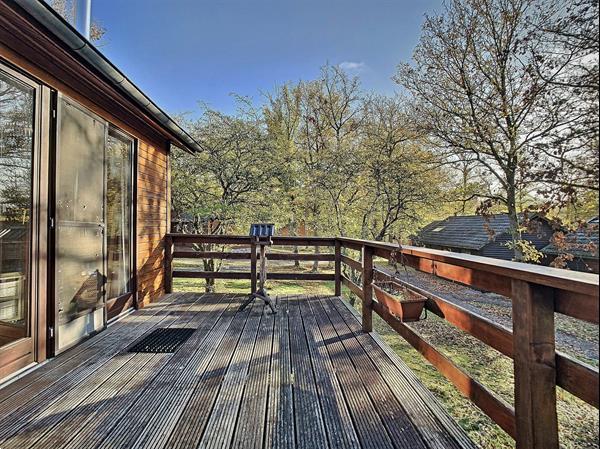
[{"x": 83, "y": 17}]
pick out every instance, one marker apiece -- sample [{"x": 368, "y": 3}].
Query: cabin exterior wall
[
  {"x": 153, "y": 190},
  {"x": 29, "y": 52},
  {"x": 153, "y": 218}
]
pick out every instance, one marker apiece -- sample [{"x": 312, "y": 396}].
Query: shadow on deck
[{"x": 304, "y": 378}]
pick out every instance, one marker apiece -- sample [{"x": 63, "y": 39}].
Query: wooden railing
[
  {"x": 178, "y": 246},
  {"x": 536, "y": 293}
]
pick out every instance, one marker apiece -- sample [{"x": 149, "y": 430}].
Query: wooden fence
[{"x": 536, "y": 293}]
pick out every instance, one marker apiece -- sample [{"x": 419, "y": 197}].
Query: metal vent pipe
[{"x": 83, "y": 17}]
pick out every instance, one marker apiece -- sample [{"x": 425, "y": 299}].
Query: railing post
[
  {"x": 169, "y": 264},
  {"x": 338, "y": 268},
  {"x": 367, "y": 288},
  {"x": 534, "y": 366},
  {"x": 252, "y": 266}
]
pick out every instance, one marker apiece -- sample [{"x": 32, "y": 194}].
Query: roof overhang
[{"x": 93, "y": 59}]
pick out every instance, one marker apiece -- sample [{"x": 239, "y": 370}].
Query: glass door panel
[
  {"x": 118, "y": 214},
  {"x": 79, "y": 256},
  {"x": 17, "y": 112}
]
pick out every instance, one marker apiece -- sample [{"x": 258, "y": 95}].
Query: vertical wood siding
[{"x": 152, "y": 220}]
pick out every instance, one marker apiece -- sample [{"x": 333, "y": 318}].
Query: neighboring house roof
[
  {"x": 582, "y": 243},
  {"x": 467, "y": 232},
  {"x": 69, "y": 36}
]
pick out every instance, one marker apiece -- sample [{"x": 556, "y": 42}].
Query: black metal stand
[{"x": 261, "y": 292}]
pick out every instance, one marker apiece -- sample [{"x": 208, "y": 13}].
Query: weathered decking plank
[
  {"x": 401, "y": 430},
  {"x": 370, "y": 428},
  {"x": 340, "y": 429},
  {"x": 49, "y": 373},
  {"x": 85, "y": 428},
  {"x": 434, "y": 424},
  {"x": 221, "y": 425},
  {"x": 198, "y": 352},
  {"x": 280, "y": 430},
  {"x": 310, "y": 428},
  {"x": 249, "y": 431},
  {"x": 91, "y": 427},
  {"x": 191, "y": 425},
  {"x": 163, "y": 389},
  {"x": 59, "y": 412},
  {"x": 305, "y": 377},
  {"x": 76, "y": 379}
]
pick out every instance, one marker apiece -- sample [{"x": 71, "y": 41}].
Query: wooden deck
[{"x": 304, "y": 378}]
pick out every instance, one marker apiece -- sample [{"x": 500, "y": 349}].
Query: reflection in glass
[
  {"x": 16, "y": 150},
  {"x": 79, "y": 217},
  {"x": 118, "y": 214}
]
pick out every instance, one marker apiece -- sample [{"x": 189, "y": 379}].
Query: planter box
[{"x": 403, "y": 303}]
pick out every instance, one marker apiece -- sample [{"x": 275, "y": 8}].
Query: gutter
[{"x": 50, "y": 19}]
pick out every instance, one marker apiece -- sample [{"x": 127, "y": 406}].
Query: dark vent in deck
[{"x": 163, "y": 340}]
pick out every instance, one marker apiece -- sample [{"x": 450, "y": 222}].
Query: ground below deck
[{"x": 306, "y": 377}]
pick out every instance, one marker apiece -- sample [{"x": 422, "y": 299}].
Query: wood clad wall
[{"x": 152, "y": 220}]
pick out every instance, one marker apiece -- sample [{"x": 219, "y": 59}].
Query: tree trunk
[
  {"x": 513, "y": 216},
  {"x": 209, "y": 265},
  {"x": 315, "y": 267}
]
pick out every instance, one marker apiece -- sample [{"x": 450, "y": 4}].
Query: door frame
[
  {"x": 51, "y": 344},
  {"x": 21, "y": 353},
  {"x": 53, "y": 304}
]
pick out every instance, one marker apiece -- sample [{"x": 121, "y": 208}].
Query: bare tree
[
  {"x": 328, "y": 139},
  {"x": 397, "y": 170},
  {"x": 221, "y": 188},
  {"x": 479, "y": 94},
  {"x": 567, "y": 58}
]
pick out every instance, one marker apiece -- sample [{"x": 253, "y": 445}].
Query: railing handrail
[
  {"x": 246, "y": 240},
  {"x": 575, "y": 281}
]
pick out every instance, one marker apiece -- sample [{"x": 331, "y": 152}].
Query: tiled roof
[
  {"x": 468, "y": 232},
  {"x": 582, "y": 243}
]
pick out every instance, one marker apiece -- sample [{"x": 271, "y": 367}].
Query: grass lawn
[{"x": 578, "y": 421}]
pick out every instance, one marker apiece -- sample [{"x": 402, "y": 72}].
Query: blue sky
[{"x": 183, "y": 51}]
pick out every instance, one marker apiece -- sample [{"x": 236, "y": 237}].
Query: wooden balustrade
[
  {"x": 177, "y": 247},
  {"x": 537, "y": 293}
]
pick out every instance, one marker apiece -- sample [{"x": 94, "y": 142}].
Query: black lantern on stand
[{"x": 261, "y": 234}]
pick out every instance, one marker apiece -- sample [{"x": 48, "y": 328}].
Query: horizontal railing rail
[
  {"x": 536, "y": 293},
  {"x": 178, "y": 247}
]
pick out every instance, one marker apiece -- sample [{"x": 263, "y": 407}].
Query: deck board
[
  {"x": 431, "y": 420},
  {"x": 310, "y": 427},
  {"x": 306, "y": 377},
  {"x": 338, "y": 421},
  {"x": 249, "y": 431},
  {"x": 18, "y": 393},
  {"x": 280, "y": 429},
  {"x": 370, "y": 428},
  {"x": 80, "y": 379}
]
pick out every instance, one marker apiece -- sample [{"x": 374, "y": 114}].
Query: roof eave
[{"x": 69, "y": 36}]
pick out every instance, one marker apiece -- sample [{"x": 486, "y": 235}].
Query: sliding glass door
[
  {"x": 119, "y": 214},
  {"x": 80, "y": 271},
  {"x": 93, "y": 222},
  {"x": 18, "y": 117}
]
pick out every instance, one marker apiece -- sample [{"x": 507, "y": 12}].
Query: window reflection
[
  {"x": 17, "y": 102},
  {"x": 79, "y": 238},
  {"x": 118, "y": 213}
]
